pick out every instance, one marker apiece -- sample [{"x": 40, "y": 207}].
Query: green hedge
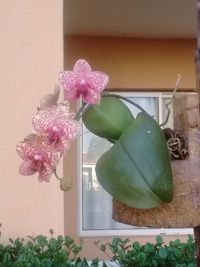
[
  {"x": 42, "y": 252},
  {"x": 63, "y": 252},
  {"x": 174, "y": 254}
]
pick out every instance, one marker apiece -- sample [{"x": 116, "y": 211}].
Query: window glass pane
[
  {"x": 96, "y": 202},
  {"x": 149, "y": 104}
]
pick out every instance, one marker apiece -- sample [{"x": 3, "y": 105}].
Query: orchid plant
[{"x": 136, "y": 170}]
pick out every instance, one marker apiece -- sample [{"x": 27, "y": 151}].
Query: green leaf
[
  {"x": 108, "y": 119},
  {"x": 136, "y": 170},
  {"x": 141, "y": 257},
  {"x": 163, "y": 253},
  {"x": 159, "y": 240}
]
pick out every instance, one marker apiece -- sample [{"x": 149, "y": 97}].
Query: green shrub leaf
[{"x": 163, "y": 253}]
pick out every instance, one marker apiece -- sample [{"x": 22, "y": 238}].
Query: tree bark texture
[{"x": 197, "y": 241}]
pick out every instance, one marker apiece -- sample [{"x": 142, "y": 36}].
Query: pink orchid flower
[
  {"x": 83, "y": 82},
  {"x": 37, "y": 156},
  {"x": 57, "y": 123}
]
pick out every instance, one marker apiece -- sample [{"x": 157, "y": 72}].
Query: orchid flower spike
[{"x": 83, "y": 82}]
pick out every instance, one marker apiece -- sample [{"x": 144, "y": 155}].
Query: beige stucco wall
[
  {"x": 31, "y": 56},
  {"x": 131, "y": 64}
]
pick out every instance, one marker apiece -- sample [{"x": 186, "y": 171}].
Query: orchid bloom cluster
[{"x": 54, "y": 125}]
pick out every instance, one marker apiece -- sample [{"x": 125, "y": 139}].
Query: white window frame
[{"x": 124, "y": 232}]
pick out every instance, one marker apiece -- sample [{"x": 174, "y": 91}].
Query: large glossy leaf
[
  {"x": 108, "y": 119},
  {"x": 136, "y": 170}
]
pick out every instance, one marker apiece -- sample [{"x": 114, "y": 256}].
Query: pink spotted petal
[
  {"x": 50, "y": 116},
  {"x": 73, "y": 129},
  {"x": 54, "y": 159},
  {"x": 66, "y": 79},
  {"x": 31, "y": 144},
  {"x": 82, "y": 81},
  {"x": 45, "y": 173},
  {"x": 82, "y": 68},
  {"x": 38, "y": 145},
  {"x": 62, "y": 145},
  {"x": 92, "y": 97},
  {"x": 58, "y": 125},
  {"x": 22, "y": 148},
  {"x": 26, "y": 168},
  {"x": 72, "y": 94},
  {"x": 98, "y": 81},
  {"x": 38, "y": 157}
]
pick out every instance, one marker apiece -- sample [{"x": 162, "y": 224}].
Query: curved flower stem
[
  {"x": 125, "y": 99},
  {"x": 171, "y": 101},
  {"x": 168, "y": 113},
  {"x": 80, "y": 111},
  {"x": 56, "y": 175}
]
